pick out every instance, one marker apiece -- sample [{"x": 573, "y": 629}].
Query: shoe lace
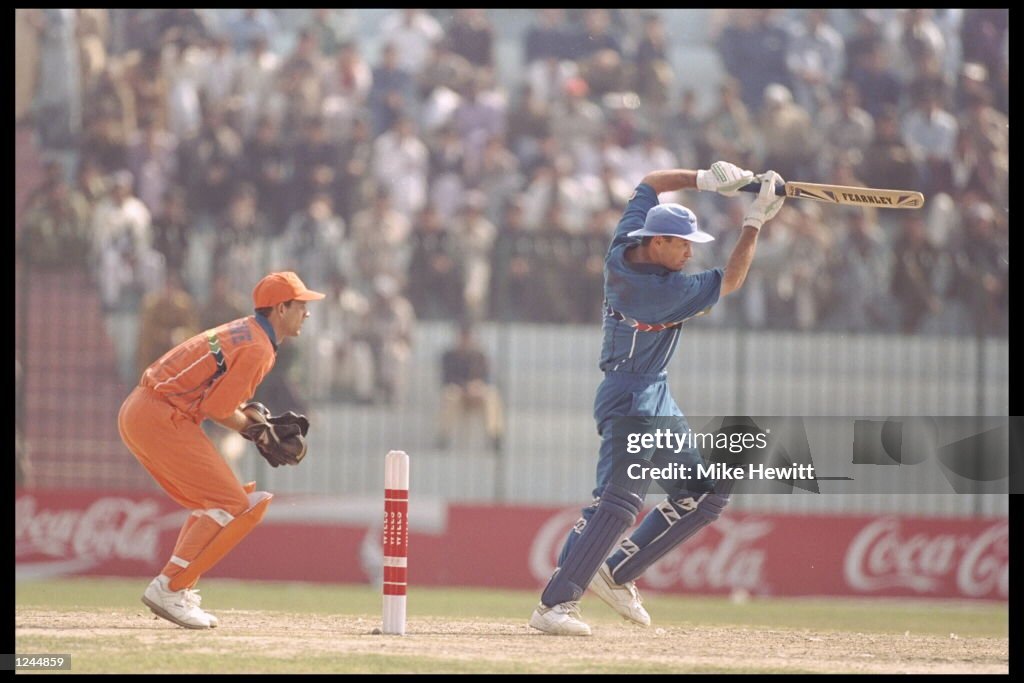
[
  {"x": 571, "y": 608},
  {"x": 631, "y": 587},
  {"x": 191, "y": 597}
]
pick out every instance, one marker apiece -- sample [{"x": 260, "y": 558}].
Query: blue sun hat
[{"x": 673, "y": 220}]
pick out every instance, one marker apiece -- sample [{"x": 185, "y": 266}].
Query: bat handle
[{"x": 780, "y": 190}]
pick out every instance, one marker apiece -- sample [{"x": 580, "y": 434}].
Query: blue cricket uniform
[{"x": 645, "y": 306}]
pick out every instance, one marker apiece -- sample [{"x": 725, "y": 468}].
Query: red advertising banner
[{"x": 92, "y": 533}]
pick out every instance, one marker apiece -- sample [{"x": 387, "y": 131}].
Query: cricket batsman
[{"x": 648, "y": 298}]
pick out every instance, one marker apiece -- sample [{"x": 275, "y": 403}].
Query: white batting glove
[
  {"x": 724, "y": 178},
  {"x": 767, "y": 204}
]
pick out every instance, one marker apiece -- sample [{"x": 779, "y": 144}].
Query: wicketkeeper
[
  {"x": 211, "y": 376},
  {"x": 647, "y": 300}
]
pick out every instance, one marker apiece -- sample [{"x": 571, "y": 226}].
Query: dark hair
[
  {"x": 265, "y": 311},
  {"x": 646, "y": 240}
]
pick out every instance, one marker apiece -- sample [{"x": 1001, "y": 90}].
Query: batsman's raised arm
[{"x": 763, "y": 209}]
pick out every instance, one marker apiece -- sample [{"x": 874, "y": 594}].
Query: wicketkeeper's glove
[{"x": 281, "y": 440}]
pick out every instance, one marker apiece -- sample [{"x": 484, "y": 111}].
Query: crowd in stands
[{"x": 192, "y": 151}]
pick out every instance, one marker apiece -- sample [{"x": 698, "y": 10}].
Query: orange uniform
[{"x": 208, "y": 375}]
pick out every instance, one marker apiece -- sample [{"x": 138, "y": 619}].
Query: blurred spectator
[
  {"x": 253, "y": 25},
  {"x": 314, "y": 160},
  {"x": 466, "y": 388},
  {"x": 729, "y": 129},
  {"x": 144, "y": 76},
  {"x": 790, "y": 143},
  {"x": 219, "y": 72},
  {"x": 58, "y": 97},
  {"x": 594, "y": 35},
  {"x": 753, "y": 49},
  {"x": 815, "y": 58},
  {"x": 846, "y": 128},
  {"x": 212, "y": 157},
  {"x": 380, "y": 239},
  {"x": 860, "y": 267},
  {"x": 55, "y": 227},
  {"x": 184, "y": 65},
  {"x": 342, "y": 365},
  {"x": 167, "y": 317},
  {"x": 266, "y": 165},
  {"x": 529, "y": 120},
  {"x": 92, "y": 36},
  {"x": 479, "y": 117},
  {"x": 172, "y": 229},
  {"x": 314, "y": 242},
  {"x": 887, "y": 160},
  {"x": 878, "y": 85},
  {"x": 517, "y": 293},
  {"x": 915, "y": 262},
  {"x": 390, "y": 334},
  {"x": 471, "y": 35},
  {"x": 653, "y": 68},
  {"x": 411, "y": 32},
  {"x": 435, "y": 283},
  {"x": 346, "y": 88},
  {"x": 152, "y": 159},
  {"x": 497, "y": 176},
  {"x": 332, "y": 29},
  {"x": 930, "y": 133},
  {"x": 447, "y": 163},
  {"x": 27, "y": 44},
  {"x": 393, "y": 91},
  {"x": 547, "y": 37},
  {"x": 981, "y": 265},
  {"x": 473, "y": 240},
  {"x": 223, "y": 304},
  {"x": 920, "y": 40},
  {"x": 400, "y": 164},
  {"x": 255, "y": 75},
  {"x": 355, "y": 182},
  {"x": 241, "y": 243},
  {"x": 127, "y": 266},
  {"x": 576, "y": 122},
  {"x": 983, "y": 34}
]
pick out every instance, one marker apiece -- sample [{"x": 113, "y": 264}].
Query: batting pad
[
  {"x": 229, "y": 536},
  {"x": 615, "y": 513},
  {"x": 670, "y": 524}
]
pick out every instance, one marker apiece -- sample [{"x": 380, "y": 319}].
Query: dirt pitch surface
[{"x": 293, "y": 641}]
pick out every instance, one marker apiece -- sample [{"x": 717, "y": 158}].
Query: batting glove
[
  {"x": 724, "y": 178},
  {"x": 767, "y": 204}
]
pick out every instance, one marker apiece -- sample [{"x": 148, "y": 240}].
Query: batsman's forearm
[
  {"x": 739, "y": 261},
  {"x": 671, "y": 180}
]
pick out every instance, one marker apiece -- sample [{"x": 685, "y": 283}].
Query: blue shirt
[{"x": 650, "y": 294}]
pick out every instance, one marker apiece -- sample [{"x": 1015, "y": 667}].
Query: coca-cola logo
[
  {"x": 882, "y": 557},
  {"x": 108, "y": 528},
  {"x": 720, "y": 557}
]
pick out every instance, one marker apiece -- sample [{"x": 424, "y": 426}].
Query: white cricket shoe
[
  {"x": 178, "y": 607},
  {"x": 561, "y": 620},
  {"x": 624, "y": 599}
]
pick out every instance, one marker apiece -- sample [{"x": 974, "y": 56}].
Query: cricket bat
[{"x": 846, "y": 195}]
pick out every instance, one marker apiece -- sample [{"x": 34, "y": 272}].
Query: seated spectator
[{"x": 466, "y": 388}]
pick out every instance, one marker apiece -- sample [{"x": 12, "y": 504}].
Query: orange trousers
[{"x": 179, "y": 456}]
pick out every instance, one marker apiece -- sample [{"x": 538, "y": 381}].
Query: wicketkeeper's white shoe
[
  {"x": 561, "y": 620},
  {"x": 178, "y": 607},
  {"x": 624, "y": 599}
]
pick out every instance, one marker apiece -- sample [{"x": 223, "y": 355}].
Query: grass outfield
[{"x": 307, "y": 628}]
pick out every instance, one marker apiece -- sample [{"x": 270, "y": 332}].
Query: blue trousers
[{"x": 629, "y": 403}]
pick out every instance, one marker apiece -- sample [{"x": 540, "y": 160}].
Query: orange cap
[{"x": 278, "y": 288}]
